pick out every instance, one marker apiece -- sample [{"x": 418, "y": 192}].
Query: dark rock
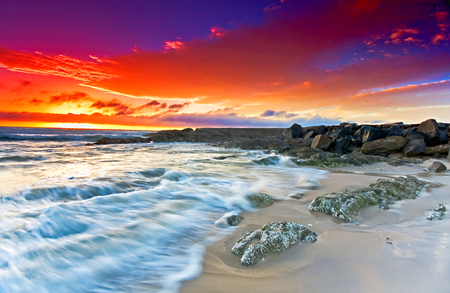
[
  {"x": 360, "y": 132},
  {"x": 414, "y": 147},
  {"x": 341, "y": 145},
  {"x": 321, "y": 130},
  {"x": 344, "y": 205},
  {"x": 384, "y": 146},
  {"x": 259, "y": 199},
  {"x": 116, "y": 140},
  {"x": 433, "y": 136},
  {"x": 437, "y": 213},
  {"x": 321, "y": 142},
  {"x": 396, "y": 131},
  {"x": 437, "y": 167},
  {"x": 295, "y": 131},
  {"x": 270, "y": 238},
  {"x": 413, "y": 135},
  {"x": 187, "y": 130},
  {"x": 374, "y": 134},
  {"x": 344, "y": 132}
]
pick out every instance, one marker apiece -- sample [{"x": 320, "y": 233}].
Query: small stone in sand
[
  {"x": 437, "y": 213},
  {"x": 437, "y": 167}
]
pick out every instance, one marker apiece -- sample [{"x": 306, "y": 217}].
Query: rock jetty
[{"x": 324, "y": 146}]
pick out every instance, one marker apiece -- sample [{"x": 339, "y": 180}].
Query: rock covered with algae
[
  {"x": 344, "y": 205},
  {"x": 270, "y": 238},
  {"x": 259, "y": 199},
  {"x": 437, "y": 213}
]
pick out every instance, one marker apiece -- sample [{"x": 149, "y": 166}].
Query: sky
[{"x": 144, "y": 64}]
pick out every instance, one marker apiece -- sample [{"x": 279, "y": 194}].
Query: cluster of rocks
[
  {"x": 323, "y": 146},
  {"x": 345, "y": 205}
]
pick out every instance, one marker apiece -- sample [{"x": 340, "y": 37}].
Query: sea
[{"x": 123, "y": 217}]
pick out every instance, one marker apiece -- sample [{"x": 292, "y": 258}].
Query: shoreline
[{"x": 353, "y": 257}]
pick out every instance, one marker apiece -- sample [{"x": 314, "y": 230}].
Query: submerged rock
[
  {"x": 259, "y": 199},
  {"x": 226, "y": 221},
  {"x": 344, "y": 205},
  {"x": 437, "y": 167},
  {"x": 271, "y": 238},
  {"x": 437, "y": 213}
]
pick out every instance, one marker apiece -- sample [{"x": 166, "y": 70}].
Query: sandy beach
[{"x": 393, "y": 250}]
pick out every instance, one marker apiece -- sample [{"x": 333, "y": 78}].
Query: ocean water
[{"x": 121, "y": 218}]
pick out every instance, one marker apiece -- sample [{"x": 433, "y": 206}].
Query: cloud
[
  {"x": 36, "y": 101},
  {"x": 170, "y": 120},
  {"x": 117, "y": 106},
  {"x": 73, "y": 97},
  {"x": 24, "y": 85},
  {"x": 300, "y": 43},
  {"x": 279, "y": 114}
]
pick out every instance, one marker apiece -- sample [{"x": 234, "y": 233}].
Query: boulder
[
  {"x": 428, "y": 126},
  {"x": 437, "y": 213},
  {"x": 295, "y": 131},
  {"x": 229, "y": 220},
  {"x": 321, "y": 130},
  {"x": 396, "y": 131},
  {"x": 384, "y": 146},
  {"x": 439, "y": 149},
  {"x": 259, "y": 199},
  {"x": 347, "y": 130},
  {"x": 413, "y": 135},
  {"x": 374, "y": 134},
  {"x": 360, "y": 132},
  {"x": 437, "y": 167},
  {"x": 321, "y": 142},
  {"x": 341, "y": 145},
  {"x": 310, "y": 134},
  {"x": 270, "y": 238},
  {"x": 414, "y": 147},
  {"x": 345, "y": 205}
]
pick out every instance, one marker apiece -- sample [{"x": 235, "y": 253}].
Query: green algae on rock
[
  {"x": 270, "y": 238},
  {"x": 259, "y": 199},
  {"x": 344, "y": 205}
]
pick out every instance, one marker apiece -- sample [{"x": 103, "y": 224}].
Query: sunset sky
[{"x": 144, "y": 64}]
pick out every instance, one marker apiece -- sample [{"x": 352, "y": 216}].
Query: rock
[
  {"x": 267, "y": 161},
  {"x": 187, "y": 130},
  {"x": 345, "y": 205},
  {"x": 322, "y": 129},
  {"x": 437, "y": 213},
  {"x": 310, "y": 134},
  {"x": 116, "y": 140},
  {"x": 414, "y": 147},
  {"x": 295, "y": 131},
  {"x": 428, "y": 126},
  {"x": 341, "y": 145},
  {"x": 437, "y": 167},
  {"x": 439, "y": 149},
  {"x": 321, "y": 142},
  {"x": 297, "y": 195},
  {"x": 374, "y": 134},
  {"x": 259, "y": 199},
  {"x": 384, "y": 146},
  {"x": 448, "y": 156},
  {"x": 413, "y": 135},
  {"x": 433, "y": 135},
  {"x": 308, "y": 184},
  {"x": 271, "y": 238},
  {"x": 246, "y": 144},
  {"x": 360, "y": 132},
  {"x": 229, "y": 220},
  {"x": 347, "y": 130},
  {"x": 396, "y": 131}
]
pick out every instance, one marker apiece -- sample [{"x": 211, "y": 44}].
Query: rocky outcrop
[
  {"x": 437, "y": 167},
  {"x": 342, "y": 139},
  {"x": 270, "y": 238},
  {"x": 115, "y": 140},
  {"x": 437, "y": 213},
  {"x": 345, "y": 205}
]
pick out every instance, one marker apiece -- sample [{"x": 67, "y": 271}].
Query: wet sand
[{"x": 394, "y": 250}]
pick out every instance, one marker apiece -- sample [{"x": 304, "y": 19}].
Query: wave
[{"x": 49, "y": 134}]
